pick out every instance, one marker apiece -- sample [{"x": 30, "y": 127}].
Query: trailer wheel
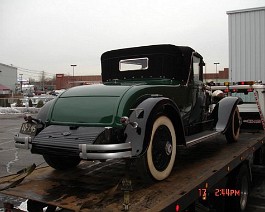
[
  {"x": 159, "y": 159},
  {"x": 262, "y": 152},
  {"x": 259, "y": 156},
  {"x": 242, "y": 184},
  {"x": 232, "y": 132},
  {"x": 61, "y": 163}
]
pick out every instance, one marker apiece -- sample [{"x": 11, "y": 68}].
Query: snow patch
[{"x": 18, "y": 110}]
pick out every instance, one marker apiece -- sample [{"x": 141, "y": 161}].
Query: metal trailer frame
[{"x": 110, "y": 186}]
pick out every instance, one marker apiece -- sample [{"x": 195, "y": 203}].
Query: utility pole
[
  {"x": 43, "y": 78},
  {"x": 21, "y": 82},
  {"x": 216, "y": 71},
  {"x": 73, "y": 65}
]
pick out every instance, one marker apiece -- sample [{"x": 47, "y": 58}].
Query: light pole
[
  {"x": 21, "y": 82},
  {"x": 216, "y": 70},
  {"x": 73, "y": 72}
]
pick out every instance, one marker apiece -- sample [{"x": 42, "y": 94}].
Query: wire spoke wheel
[
  {"x": 162, "y": 148},
  {"x": 161, "y": 153}
]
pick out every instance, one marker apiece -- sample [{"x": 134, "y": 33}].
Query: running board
[{"x": 199, "y": 137}]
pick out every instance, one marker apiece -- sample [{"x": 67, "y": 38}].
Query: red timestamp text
[
  {"x": 225, "y": 192},
  {"x": 220, "y": 192},
  {"x": 202, "y": 192}
]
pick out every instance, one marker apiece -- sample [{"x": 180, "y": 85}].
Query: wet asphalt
[{"x": 12, "y": 160}]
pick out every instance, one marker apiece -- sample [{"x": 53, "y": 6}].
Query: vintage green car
[{"x": 152, "y": 99}]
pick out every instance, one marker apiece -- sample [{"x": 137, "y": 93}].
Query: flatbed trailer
[{"x": 198, "y": 175}]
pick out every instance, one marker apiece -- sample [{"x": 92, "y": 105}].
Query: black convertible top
[{"x": 165, "y": 60}]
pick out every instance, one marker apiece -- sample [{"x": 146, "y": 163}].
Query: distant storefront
[
  {"x": 64, "y": 81},
  {"x": 220, "y": 76},
  {"x": 4, "y": 90}
]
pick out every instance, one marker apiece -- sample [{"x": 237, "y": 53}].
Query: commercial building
[
  {"x": 64, "y": 81},
  {"x": 219, "y": 77},
  {"x": 8, "y": 79},
  {"x": 247, "y": 44}
]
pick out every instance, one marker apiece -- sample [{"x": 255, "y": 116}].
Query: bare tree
[
  {"x": 31, "y": 80},
  {"x": 42, "y": 80}
]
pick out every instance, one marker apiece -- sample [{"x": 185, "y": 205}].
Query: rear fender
[
  {"x": 223, "y": 112},
  {"x": 143, "y": 114},
  {"x": 44, "y": 111}
]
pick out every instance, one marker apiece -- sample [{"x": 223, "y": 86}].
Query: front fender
[
  {"x": 142, "y": 114},
  {"x": 224, "y": 109}
]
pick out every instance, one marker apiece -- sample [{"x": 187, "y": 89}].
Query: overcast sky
[{"x": 50, "y": 35}]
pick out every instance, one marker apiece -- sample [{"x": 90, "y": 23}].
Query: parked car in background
[
  {"x": 56, "y": 92},
  {"x": 24, "y": 102}
]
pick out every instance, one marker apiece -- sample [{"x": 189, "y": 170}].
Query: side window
[{"x": 196, "y": 68}]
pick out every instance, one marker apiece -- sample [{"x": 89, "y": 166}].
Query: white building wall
[
  {"x": 246, "y": 30},
  {"x": 8, "y": 76}
]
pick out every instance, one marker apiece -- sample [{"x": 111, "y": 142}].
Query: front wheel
[
  {"x": 61, "y": 163},
  {"x": 157, "y": 163},
  {"x": 232, "y": 132}
]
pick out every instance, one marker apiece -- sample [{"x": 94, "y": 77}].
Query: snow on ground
[{"x": 18, "y": 110}]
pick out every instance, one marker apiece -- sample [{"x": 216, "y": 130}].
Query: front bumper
[
  {"x": 105, "y": 151},
  {"x": 23, "y": 141}
]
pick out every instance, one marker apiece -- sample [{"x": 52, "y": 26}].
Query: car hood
[{"x": 88, "y": 105}]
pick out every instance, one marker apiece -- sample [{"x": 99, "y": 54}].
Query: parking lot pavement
[{"x": 11, "y": 158}]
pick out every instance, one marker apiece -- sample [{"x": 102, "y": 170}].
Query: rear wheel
[
  {"x": 157, "y": 163},
  {"x": 232, "y": 133},
  {"x": 61, "y": 163}
]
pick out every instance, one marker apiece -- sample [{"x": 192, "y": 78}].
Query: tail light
[
  {"x": 124, "y": 120},
  {"x": 246, "y": 83}
]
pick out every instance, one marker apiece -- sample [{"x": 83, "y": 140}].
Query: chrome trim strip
[
  {"x": 198, "y": 140},
  {"x": 123, "y": 150},
  {"x": 106, "y": 147},
  {"x": 105, "y": 156}
]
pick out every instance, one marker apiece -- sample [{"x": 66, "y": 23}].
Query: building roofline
[
  {"x": 8, "y": 66},
  {"x": 245, "y": 10}
]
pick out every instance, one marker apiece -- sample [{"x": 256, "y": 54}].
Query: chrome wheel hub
[{"x": 168, "y": 148}]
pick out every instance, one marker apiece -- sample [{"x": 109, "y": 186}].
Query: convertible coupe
[{"x": 152, "y": 99}]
